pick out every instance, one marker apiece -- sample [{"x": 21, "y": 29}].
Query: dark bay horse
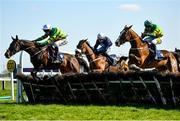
[
  {"x": 40, "y": 59},
  {"x": 141, "y": 55},
  {"x": 98, "y": 63}
]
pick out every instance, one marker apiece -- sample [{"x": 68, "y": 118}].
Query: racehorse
[
  {"x": 99, "y": 63},
  {"x": 177, "y": 55},
  {"x": 141, "y": 55},
  {"x": 40, "y": 58}
]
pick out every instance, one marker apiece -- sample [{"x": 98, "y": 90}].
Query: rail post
[{"x": 19, "y": 83}]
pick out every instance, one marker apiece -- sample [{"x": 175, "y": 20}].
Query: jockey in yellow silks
[
  {"x": 152, "y": 34},
  {"x": 57, "y": 38}
]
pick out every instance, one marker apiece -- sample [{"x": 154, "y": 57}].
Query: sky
[{"x": 85, "y": 19}]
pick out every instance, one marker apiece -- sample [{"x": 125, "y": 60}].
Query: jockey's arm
[
  {"x": 109, "y": 43},
  {"x": 42, "y": 37},
  {"x": 158, "y": 33},
  {"x": 63, "y": 42},
  {"x": 43, "y": 42},
  {"x": 147, "y": 33},
  {"x": 102, "y": 49},
  {"x": 96, "y": 45}
]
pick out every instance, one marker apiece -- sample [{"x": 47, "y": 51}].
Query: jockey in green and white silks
[
  {"x": 57, "y": 38},
  {"x": 152, "y": 34}
]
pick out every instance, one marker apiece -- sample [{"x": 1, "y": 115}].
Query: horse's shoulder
[{"x": 144, "y": 44}]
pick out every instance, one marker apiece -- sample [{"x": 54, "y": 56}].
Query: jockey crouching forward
[
  {"x": 57, "y": 38},
  {"x": 103, "y": 43},
  {"x": 152, "y": 34}
]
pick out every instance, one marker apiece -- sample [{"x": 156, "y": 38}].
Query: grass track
[{"x": 9, "y": 110}]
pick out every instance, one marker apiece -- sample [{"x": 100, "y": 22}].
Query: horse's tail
[
  {"x": 173, "y": 62},
  {"x": 83, "y": 64}
]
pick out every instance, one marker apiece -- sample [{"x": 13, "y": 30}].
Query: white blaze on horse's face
[{"x": 78, "y": 50}]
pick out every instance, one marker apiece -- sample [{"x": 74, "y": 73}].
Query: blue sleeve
[
  {"x": 109, "y": 42},
  {"x": 101, "y": 49},
  {"x": 96, "y": 45}
]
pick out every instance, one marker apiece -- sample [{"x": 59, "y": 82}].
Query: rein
[
  {"x": 38, "y": 52},
  {"x": 139, "y": 48},
  {"x": 95, "y": 59}
]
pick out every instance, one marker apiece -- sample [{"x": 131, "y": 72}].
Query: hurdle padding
[{"x": 104, "y": 88}]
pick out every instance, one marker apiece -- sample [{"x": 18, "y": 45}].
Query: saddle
[{"x": 53, "y": 57}]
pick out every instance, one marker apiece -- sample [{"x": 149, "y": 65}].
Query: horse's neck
[
  {"x": 89, "y": 53},
  {"x": 136, "y": 40},
  {"x": 29, "y": 47}
]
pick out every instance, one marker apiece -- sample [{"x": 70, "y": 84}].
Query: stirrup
[{"x": 57, "y": 61}]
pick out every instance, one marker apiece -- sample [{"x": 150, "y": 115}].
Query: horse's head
[
  {"x": 81, "y": 46},
  {"x": 124, "y": 36},
  {"x": 177, "y": 50},
  {"x": 13, "y": 48}
]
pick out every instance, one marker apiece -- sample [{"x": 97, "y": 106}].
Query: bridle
[
  {"x": 137, "y": 37},
  {"x": 24, "y": 48},
  {"x": 90, "y": 54}
]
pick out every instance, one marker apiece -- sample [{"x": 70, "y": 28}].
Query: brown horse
[
  {"x": 141, "y": 55},
  {"x": 40, "y": 57},
  {"x": 99, "y": 63},
  {"x": 177, "y": 55}
]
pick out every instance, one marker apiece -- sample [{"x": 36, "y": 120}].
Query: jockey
[
  {"x": 57, "y": 38},
  {"x": 103, "y": 44},
  {"x": 152, "y": 34}
]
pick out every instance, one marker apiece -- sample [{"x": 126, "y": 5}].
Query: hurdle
[
  {"x": 106, "y": 88},
  {"x": 27, "y": 71}
]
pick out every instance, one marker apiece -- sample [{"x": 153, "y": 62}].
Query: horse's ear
[
  {"x": 12, "y": 38},
  {"x": 16, "y": 37},
  {"x": 125, "y": 26},
  {"x": 130, "y": 26},
  {"x": 86, "y": 39}
]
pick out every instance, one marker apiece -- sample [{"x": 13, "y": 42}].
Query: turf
[{"x": 9, "y": 110}]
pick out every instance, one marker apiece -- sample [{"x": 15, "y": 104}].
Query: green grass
[
  {"x": 9, "y": 110},
  {"x": 84, "y": 112},
  {"x": 7, "y": 90}
]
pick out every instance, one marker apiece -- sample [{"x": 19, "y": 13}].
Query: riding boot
[
  {"x": 56, "y": 57},
  {"x": 153, "y": 47},
  {"x": 51, "y": 53},
  {"x": 110, "y": 60}
]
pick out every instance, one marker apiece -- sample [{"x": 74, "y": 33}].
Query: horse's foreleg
[
  {"x": 123, "y": 66},
  {"x": 34, "y": 75},
  {"x": 134, "y": 67},
  {"x": 135, "y": 57}
]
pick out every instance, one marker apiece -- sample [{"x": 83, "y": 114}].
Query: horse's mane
[
  {"x": 137, "y": 34},
  {"x": 89, "y": 45},
  {"x": 30, "y": 41}
]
